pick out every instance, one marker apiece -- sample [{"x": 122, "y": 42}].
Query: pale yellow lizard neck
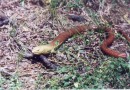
[{"x": 43, "y": 49}]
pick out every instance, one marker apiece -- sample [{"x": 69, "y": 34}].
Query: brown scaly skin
[
  {"x": 45, "y": 49},
  {"x": 68, "y": 33},
  {"x": 107, "y": 42}
]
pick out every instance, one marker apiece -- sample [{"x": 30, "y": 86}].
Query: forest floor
[{"x": 32, "y": 23}]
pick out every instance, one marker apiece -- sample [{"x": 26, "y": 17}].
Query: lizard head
[{"x": 43, "y": 49}]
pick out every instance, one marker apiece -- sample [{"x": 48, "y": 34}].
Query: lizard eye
[{"x": 38, "y": 50}]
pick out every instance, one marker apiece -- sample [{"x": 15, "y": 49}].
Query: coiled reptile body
[{"x": 45, "y": 49}]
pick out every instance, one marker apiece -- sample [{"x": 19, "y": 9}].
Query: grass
[
  {"x": 114, "y": 73},
  {"x": 2, "y": 81},
  {"x": 82, "y": 73},
  {"x": 11, "y": 83}
]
